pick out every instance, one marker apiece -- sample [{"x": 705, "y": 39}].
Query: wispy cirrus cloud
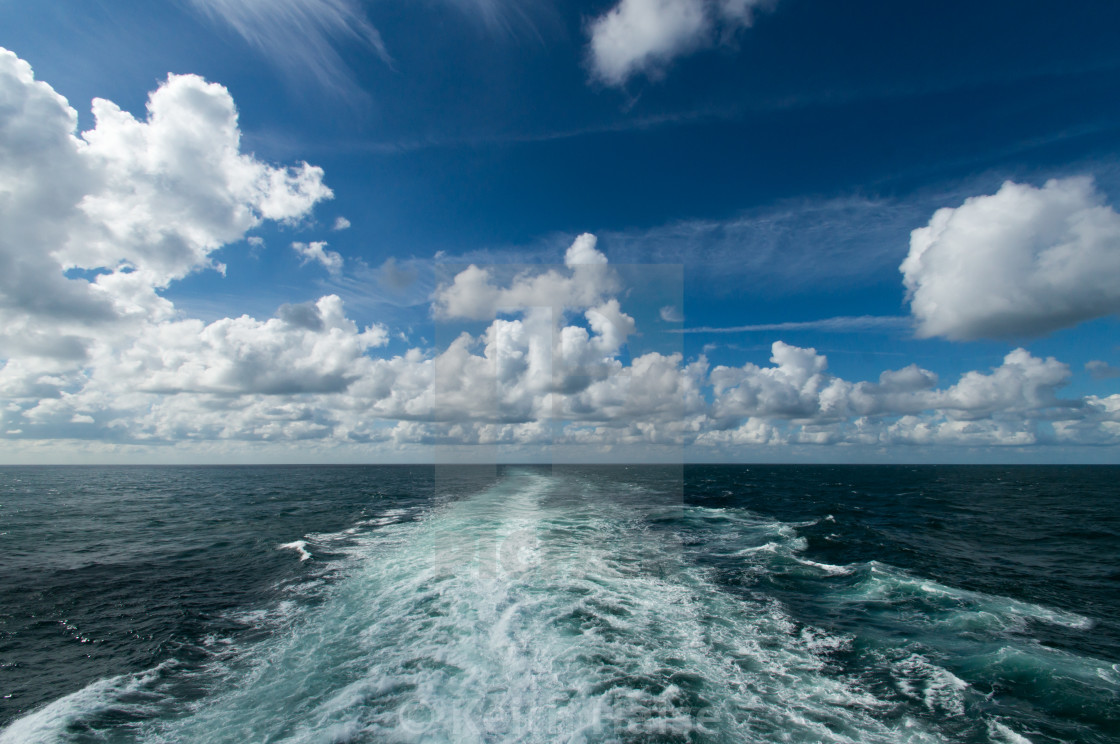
[
  {"x": 299, "y": 36},
  {"x": 505, "y": 16},
  {"x": 302, "y": 37},
  {"x": 785, "y": 247},
  {"x": 839, "y": 324}
]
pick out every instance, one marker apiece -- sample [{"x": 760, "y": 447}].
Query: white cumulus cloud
[
  {"x": 584, "y": 282},
  {"x": 141, "y": 203},
  {"x": 316, "y": 251},
  {"x": 644, "y": 36},
  {"x": 169, "y": 191},
  {"x": 670, "y": 314},
  {"x": 1021, "y": 262},
  {"x": 126, "y": 207},
  {"x": 310, "y": 347}
]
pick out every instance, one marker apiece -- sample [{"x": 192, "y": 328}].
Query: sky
[{"x": 241, "y": 231}]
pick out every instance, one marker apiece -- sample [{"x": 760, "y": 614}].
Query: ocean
[{"x": 703, "y": 603}]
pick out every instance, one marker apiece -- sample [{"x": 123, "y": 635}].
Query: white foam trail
[
  {"x": 300, "y": 546},
  {"x": 272, "y": 616},
  {"x": 536, "y": 611},
  {"x": 940, "y": 690},
  {"x": 962, "y": 607},
  {"x": 828, "y": 568},
  {"x": 127, "y": 693},
  {"x": 1001, "y": 733}
]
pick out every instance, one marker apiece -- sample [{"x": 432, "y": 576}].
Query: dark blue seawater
[{"x": 540, "y": 604}]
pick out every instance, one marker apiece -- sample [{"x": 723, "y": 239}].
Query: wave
[{"x": 123, "y": 701}]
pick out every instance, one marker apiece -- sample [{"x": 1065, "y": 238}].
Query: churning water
[{"x": 545, "y": 604}]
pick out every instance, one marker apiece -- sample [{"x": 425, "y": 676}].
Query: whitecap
[
  {"x": 939, "y": 690},
  {"x": 51, "y": 722},
  {"x": 1001, "y": 733},
  {"x": 828, "y": 568},
  {"x": 300, "y": 546}
]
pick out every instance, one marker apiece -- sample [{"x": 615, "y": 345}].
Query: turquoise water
[{"x": 541, "y": 604}]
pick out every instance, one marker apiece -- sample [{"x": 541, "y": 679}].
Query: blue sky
[{"x": 181, "y": 287}]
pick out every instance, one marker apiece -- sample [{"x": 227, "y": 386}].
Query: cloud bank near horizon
[{"x": 95, "y": 226}]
